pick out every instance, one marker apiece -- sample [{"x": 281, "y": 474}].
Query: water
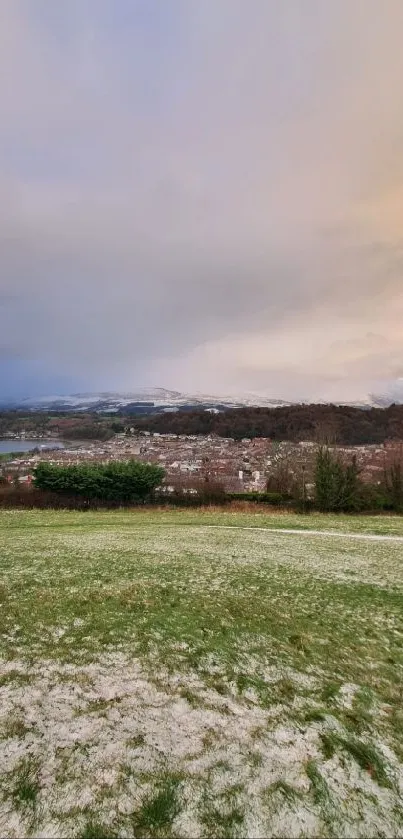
[{"x": 7, "y": 446}]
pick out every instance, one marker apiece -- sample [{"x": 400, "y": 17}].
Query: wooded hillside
[{"x": 343, "y": 425}]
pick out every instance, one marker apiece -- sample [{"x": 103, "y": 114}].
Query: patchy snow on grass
[
  {"x": 100, "y": 736},
  {"x": 192, "y": 681}
]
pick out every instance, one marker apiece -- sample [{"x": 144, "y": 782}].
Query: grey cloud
[
  {"x": 9, "y": 353},
  {"x": 235, "y": 183}
]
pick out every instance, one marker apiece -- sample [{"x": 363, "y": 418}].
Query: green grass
[
  {"x": 14, "y": 726},
  {"x": 285, "y": 790},
  {"x": 330, "y": 691},
  {"x": 223, "y": 824},
  {"x": 329, "y": 744},
  {"x": 369, "y": 758},
  {"x": 14, "y": 677},
  {"x": 126, "y": 633},
  {"x": 391, "y": 525},
  {"x": 225, "y": 816},
  {"x": 25, "y": 783},
  {"x": 158, "y": 811},
  {"x": 365, "y": 754},
  {"x": 319, "y": 786},
  {"x": 95, "y": 830}
]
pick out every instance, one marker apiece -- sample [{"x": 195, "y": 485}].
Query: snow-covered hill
[
  {"x": 158, "y": 397},
  {"x": 83, "y": 401}
]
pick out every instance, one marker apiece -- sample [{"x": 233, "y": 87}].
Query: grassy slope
[
  {"x": 293, "y": 646},
  {"x": 268, "y": 517}
]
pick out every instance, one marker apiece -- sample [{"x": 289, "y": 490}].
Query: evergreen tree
[{"x": 336, "y": 485}]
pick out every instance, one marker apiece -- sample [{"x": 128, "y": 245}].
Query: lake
[{"x": 27, "y": 445}]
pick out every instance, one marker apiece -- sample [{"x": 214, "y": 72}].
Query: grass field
[{"x": 200, "y": 673}]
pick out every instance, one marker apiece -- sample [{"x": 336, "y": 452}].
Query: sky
[{"x": 204, "y": 195}]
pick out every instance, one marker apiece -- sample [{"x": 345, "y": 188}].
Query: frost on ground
[
  {"x": 103, "y": 741},
  {"x": 185, "y": 681}
]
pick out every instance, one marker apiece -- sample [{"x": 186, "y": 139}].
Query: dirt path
[{"x": 296, "y": 532}]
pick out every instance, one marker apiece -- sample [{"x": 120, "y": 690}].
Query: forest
[
  {"x": 318, "y": 423},
  {"x": 343, "y": 425}
]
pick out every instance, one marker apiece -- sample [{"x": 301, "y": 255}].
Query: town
[{"x": 238, "y": 466}]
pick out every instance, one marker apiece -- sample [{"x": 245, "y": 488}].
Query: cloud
[{"x": 206, "y": 200}]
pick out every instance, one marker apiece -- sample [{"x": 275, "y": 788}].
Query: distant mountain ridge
[
  {"x": 163, "y": 399},
  {"x": 158, "y": 397}
]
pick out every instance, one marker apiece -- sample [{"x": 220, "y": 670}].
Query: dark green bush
[
  {"x": 374, "y": 498},
  {"x": 128, "y": 482}
]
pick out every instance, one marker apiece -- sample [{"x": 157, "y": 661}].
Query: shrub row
[
  {"x": 278, "y": 499},
  {"x": 122, "y": 482},
  {"x": 31, "y": 498}
]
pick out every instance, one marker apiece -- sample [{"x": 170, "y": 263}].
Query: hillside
[
  {"x": 342, "y": 424},
  {"x": 345, "y": 425}
]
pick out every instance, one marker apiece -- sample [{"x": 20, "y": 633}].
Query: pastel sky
[{"x": 203, "y": 195}]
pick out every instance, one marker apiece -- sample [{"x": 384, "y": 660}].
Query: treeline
[
  {"x": 318, "y": 423},
  {"x": 67, "y": 426},
  {"x": 344, "y": 425},
  {"x": 337, "y": 488}
]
